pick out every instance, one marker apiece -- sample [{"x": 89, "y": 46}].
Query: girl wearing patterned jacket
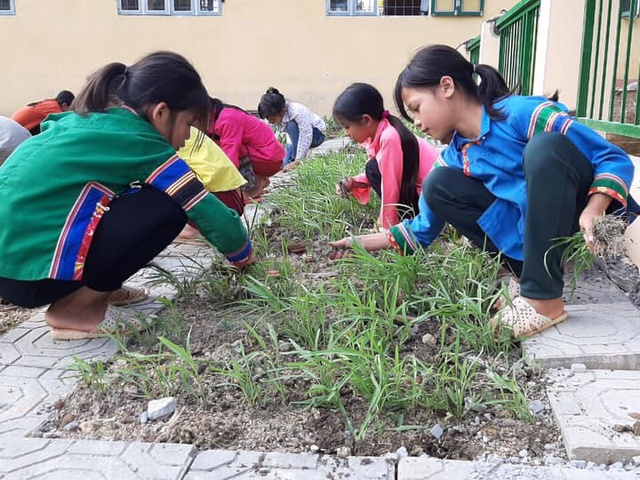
[
  {"x": 101, "y": 191},
  {"x": 398, "y": 160},
  {"x": 304, "y": 128},
  {"x": 518, "y": 173}
]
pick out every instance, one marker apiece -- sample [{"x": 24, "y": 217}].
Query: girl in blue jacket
[{"x": 518, "y": 173}]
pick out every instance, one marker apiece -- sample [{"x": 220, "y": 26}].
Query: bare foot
[
  {"x": 83, "y": 310},
  {"x": 188, "y": 233},
  {"x": 290, "y": 166}
]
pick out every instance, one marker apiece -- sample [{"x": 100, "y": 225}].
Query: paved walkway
[{"x": 590, "y": 402}]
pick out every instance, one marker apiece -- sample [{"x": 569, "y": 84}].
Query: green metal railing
[
  {"x": 473, "y": 47},
  {"x": 604, "y": 102},
  {"x": 518, "y": 33}
]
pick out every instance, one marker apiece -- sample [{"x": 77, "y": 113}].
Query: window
[
  {"x": 627, "y": 5},
  {"x": 169, "y": 7},
  {"x": 7, "y": 7},
  {"x": 352, "y": 7},
  {"x": 457, "y": 7},
  {"x": 406, "y": 7},
  {"x": 378, "y": 7}
]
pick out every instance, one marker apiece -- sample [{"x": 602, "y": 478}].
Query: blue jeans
[{"x": 293, "y": 131}]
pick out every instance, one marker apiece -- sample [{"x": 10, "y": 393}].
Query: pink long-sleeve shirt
[
  {"x": 386, "y": 148},
  {"x": 241, "y": 134}
]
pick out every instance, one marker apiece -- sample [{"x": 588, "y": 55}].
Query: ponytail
[
  {"x": 98, "y": 93},
  {"x": 432, "y": 63},
  {"x": 158, "y": 77},
  {"x": 410, "y": 166}
]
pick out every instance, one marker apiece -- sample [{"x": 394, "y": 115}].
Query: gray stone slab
[
  {"x": 425, "y": 468},
  {"x": 601, "y": 336},
  {"x": 224, "y": 464},
  {"x": 65, "y": 459},
  {"x": 587, "y": 407}
]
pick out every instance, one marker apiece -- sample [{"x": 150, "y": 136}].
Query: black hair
[
  {"x": 271, "y": 103},
  {"x": 65, "y": 97},
  {"x": 158, "y": 77},
  {"x": 433, "y": 62},
  {"x": 361, "y": 99}
]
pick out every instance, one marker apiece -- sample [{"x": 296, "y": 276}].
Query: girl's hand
[
  {"x": 341, "y": 248},
  {"x": 596, "y": 207},
  {"x": 586, "y": 221},
  {"x": 343, "y": 187}
]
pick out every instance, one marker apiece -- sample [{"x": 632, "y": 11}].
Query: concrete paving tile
[
  {"x": 587, "y": 407},
  {"x": 38, "y": 349},
  {"x": 56, "y": 459},
  {"x": 11, "y": 430},
  {"x": 425, "y": 468},
  {"x": 601, "y": 336},
  {"x": 8, "y": 354},
  {"x": 365, "y": 468},
  {"x": 222, "y": 464}
]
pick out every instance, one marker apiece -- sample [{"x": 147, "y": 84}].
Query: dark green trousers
[{"x": 558, "y": 178}]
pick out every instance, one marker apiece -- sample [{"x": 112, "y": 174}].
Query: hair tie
[{"x": 385, "y": 114}]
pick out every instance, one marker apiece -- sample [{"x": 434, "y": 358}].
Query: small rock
[
  {"x": 402, "y": 453},
  {"x": 578, "y": 463},
  {"x": 536, "y": 407},
  {"x": 33, "y": 434},
  {"x": 437, "y": 431},
  {"x": 314, "y": 448},
  {"x": 50, "y": 435},
  {"x": 552, "y": 460},
  {"x": 550, "y": 447},
  {"x": 476, "y": 421},
  {"x": 144, "y": 417},
  {"x": 343, "y": 452},
  {"x": 90, "y": 425},
  {"x": 390, "y": 457},
  {"x": 578, "y": 368},
  {"x": 428, "y": 339},
  {"x": 523, "y": 453},
  {"x": 636, "y": 460},
  {"x": 67, "y": 418},
  {"x": 616, "y": 466},
  {"x": 72, "y": 426},
  {"x": 161, "y": 408},
  {"x": 58, "y": 404}
]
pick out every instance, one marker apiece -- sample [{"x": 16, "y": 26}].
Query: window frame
[
  {"x": 169, "y": 9},
  {"x": 351, "y": 10},
  {"x": 627, "y": 13},
  {"x": 12, "y": 8},
  {"x": 457, "y": 10}
]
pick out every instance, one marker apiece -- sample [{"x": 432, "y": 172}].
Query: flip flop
[
  {"x": 523, "y": 320},
  {"x": 127, "y": 295},
  {"x": 117, "y": 321}
]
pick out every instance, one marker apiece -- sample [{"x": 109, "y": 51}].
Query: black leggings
[{"x": 135, "y": 229}]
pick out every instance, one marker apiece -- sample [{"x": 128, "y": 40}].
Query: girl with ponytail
[
  {"x": 519, "y": 172},
  {"x": 398, "y": 160},
  {"x": 101, "y": 191}
]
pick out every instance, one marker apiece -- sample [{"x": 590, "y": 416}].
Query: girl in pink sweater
[
  {"x": 249, "y": 143},
  {"x": 398, "y": 160}
]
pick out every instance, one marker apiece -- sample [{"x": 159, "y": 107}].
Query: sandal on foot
[
  {"x": 506, "y": 298},
  {"x": 117, "y": 321},
  {"x": 523, "y": 319},
  {"x": 127, "y": 295}
]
